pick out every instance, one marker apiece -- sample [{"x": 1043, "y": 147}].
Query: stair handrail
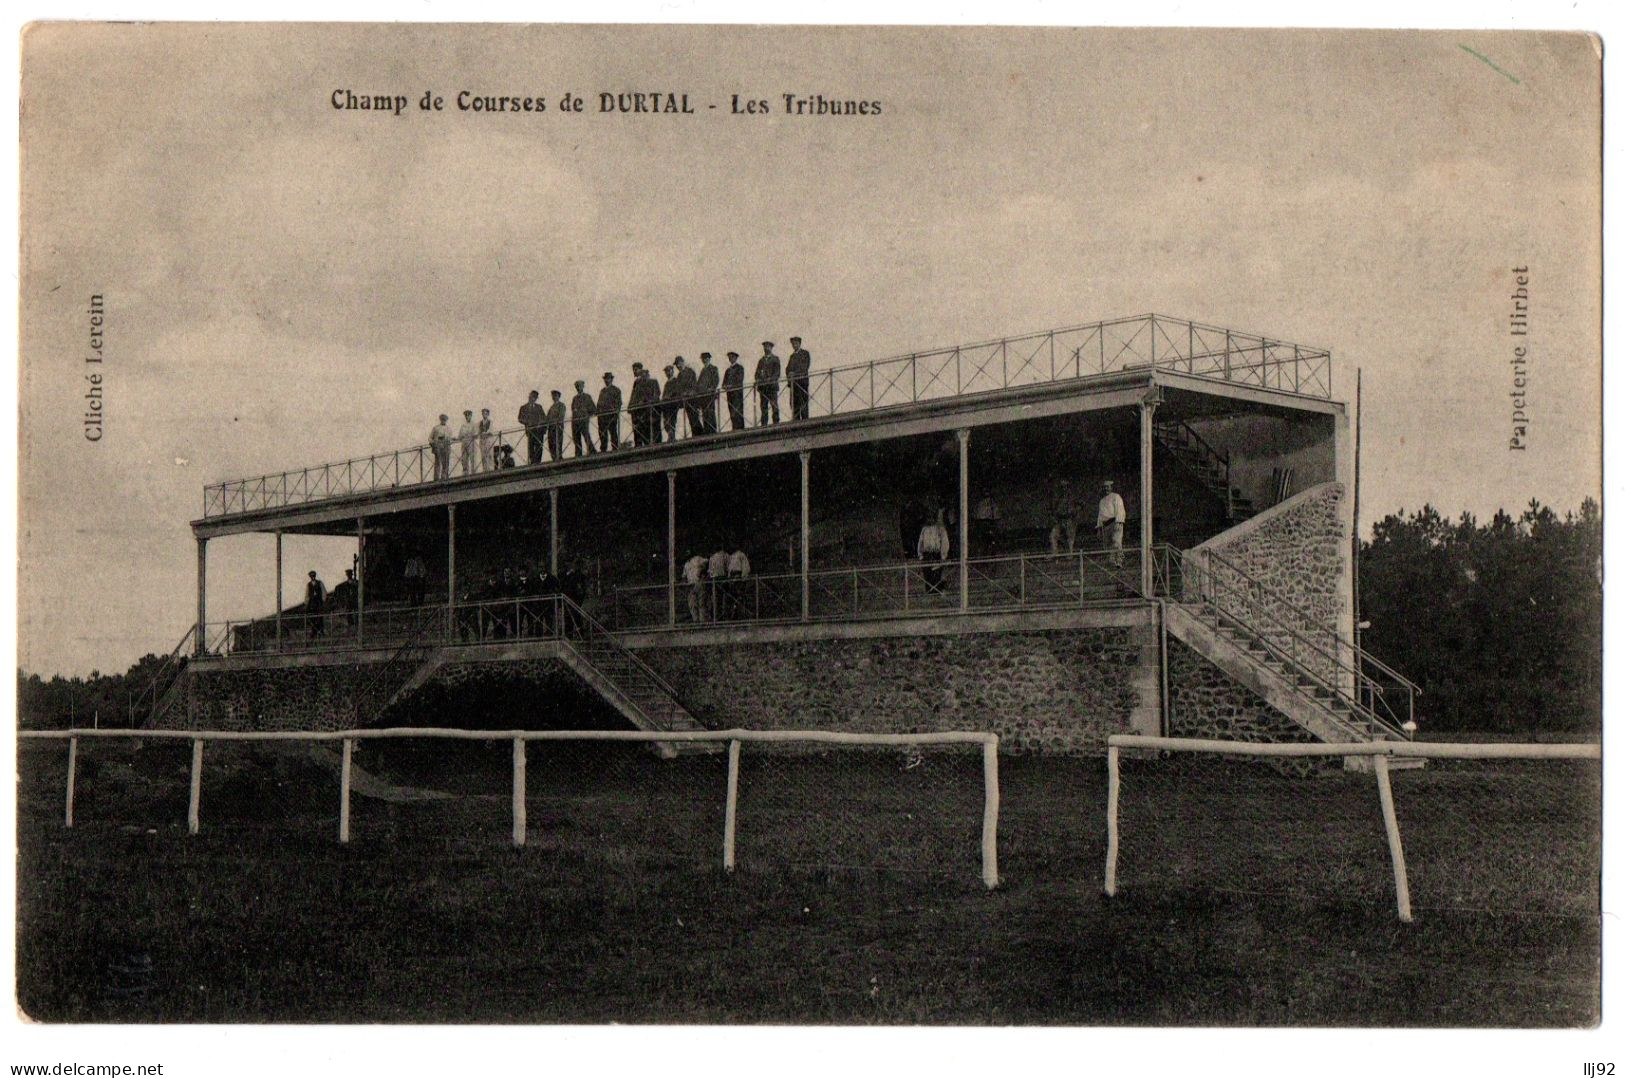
[
  {"x": 573, "y": 614},
  {"x": 1223, "y": 458},
  {"x": 167, "y": 672},
  {"x": 414, "y": 640},
  {"x": 1206, "y": 579}
]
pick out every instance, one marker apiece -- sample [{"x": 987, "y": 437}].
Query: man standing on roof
[
  {"x": 767, "y": 386},
  {"x": 555, "y": 426},
  {"x": 609, "y": 415},
  {"x": 1109, "y": 522},
  {"x": 487, "y": 440},
  {"x": 641, "y": 406},
  {"x": 688, "y": 391},
  {"x": 670, "y": 403},
  {"x": 797, "y": 370},
  {"x": 534, "y": 417},
  {"x": 707, "y": 385},
  {"x": 581, "y": 410},
  {"x": 440, "y": 448},
  {"x": 733, "y": 383}
]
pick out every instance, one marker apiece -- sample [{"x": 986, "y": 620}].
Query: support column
[
  {"x": 553, "y": 531},
  {"x": 964, "y": 517},
  {"x": 360, "y": 580},
  {"x": 202, "y": 593},
  {"x": 451, "y": 571},
  {"x": 671, "y": 548},
  {"x": 1148, "y": 409},
  {"x": 279, "y": 589},
  {"x": 806, "y": 536}
]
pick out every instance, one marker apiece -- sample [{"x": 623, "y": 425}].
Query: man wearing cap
[
  {"x": 707, "y": 386},
  {"x": 555, "y": 426},
  {"x": 1109, "y": 521},
  {"x": 488, "y": 440},
  {"x": 581, "y": 410},
  {"x": 640, "y": 404},
  {"x": 670, "y": 403},
  {"x": 733, "y": 383},
  {"x": 796, "y": 370},
  {"x": 533, "y": 417},
  {"x": 440, "y": 447},
  {"x": 609, "y": 415},
  {"x": 767, "y": 385},
  {"x": 688, "y": 391}
]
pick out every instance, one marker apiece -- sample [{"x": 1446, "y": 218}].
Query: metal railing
[
  {"x": 1367, "y": 686},
  {"x": 1009, "y": 362},
  {"x": 144, "y": 708},
  {"x": 1014, "y": 582}
]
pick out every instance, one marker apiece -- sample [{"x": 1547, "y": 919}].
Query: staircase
[
  {"x": 624, "y": 681},
  {"x": 167, "y": 686},
  {"x": 413, "y": 663},
  {"x": 1207, "y": 465},
  {"x": 1322, "y": 682}
]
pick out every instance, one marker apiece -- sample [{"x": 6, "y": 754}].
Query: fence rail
[
  {"x": 1057, "y": 355},
  {"x": 732, "y": 739},
  {"x": 1324, "y": 833}
]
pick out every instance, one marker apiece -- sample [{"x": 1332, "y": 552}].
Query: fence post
[
  {"x": 73, "y": 764},
  {"x": 197, "y": 786},
  {"x": 731, "y": 812},
  {"x": 1396, "y": 849},
  {"x": 1111, "y": 819},
  {"x": 518, "y": 791},
  {"x": 990, "y": 812},
  {"x": 344, "y": 789}
]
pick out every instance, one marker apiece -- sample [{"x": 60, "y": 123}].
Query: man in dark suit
[
  {"x": 534, "y": 419},
  {"x": 733, "y": 383},
  {"x": 670, "y": 403},
  {"x": 609, "y": 415},
  {"x": 707, "y": 381},
  {"x": 688, "y": 392},
  {"x": 641, "y": 406},
  {"x": 797, "y": 371},
  {"x": 581, "y": 412},
  {"x": 767, "y": 386}
]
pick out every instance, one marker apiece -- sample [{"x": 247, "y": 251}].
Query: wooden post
[
  {"x": 73, "y": 766},
  {"x": 553, "y": 531},
  {"x": 1111, "y": 819},
  {"x": 197, "y": 786},
  {"x": 279, "y": 589},
  {"x": 201, "y": 643},
  {"x": 344, "y": 789},
  {"x": 518, "y": 791},
  {"x": 360, "y": 580},
  {"x": 806, "y": 536},
  {"x": 731, "y": 812},
  {"x": 671, "y": 548},
  {"x": 964, "y": 517},
  {"x": 1396, "y": 848},
  {"x": 990, "y": 813}
]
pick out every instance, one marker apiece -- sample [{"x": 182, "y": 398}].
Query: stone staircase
[{"x": 1209, "y": 467}]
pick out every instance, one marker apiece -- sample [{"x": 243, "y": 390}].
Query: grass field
[{"x": 857, "y": 899}]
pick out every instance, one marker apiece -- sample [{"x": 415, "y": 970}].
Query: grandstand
[{"x": 1226, "y": 614}]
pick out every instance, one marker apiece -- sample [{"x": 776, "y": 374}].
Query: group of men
[
  {"x": 510, "y": 603},
  {"x": 714, "y": 584},
  {"x": 658, "y": 411},
  {"x": 320, "y": 604},
  {"x": 1110, "y": 517}
]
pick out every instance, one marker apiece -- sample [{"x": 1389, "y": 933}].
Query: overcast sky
[{"x": 287, "y": 283}]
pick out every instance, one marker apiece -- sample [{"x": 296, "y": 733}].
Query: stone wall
[
  {"x": 1203, "y": 702},
  {"x": 270, "y": 698},
  {"x": 1297, "y": 552},
  {"x": 1053, "y": 691}
]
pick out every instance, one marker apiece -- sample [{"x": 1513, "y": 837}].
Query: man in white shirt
[
  {"x": 440, "y": 448},
  {"x": 738, "y": 571},
  {"x": 932, "y": 549},
  {"x": 694, "y": 577},
  {"x": 1109, "y": 522},
  {"x": 468, "y": 437}
]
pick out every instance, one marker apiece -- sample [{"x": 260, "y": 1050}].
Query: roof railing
[{"x": 1055, "y": 355}]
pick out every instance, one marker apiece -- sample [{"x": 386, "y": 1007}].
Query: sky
[{"x": 287, "y": 283}]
